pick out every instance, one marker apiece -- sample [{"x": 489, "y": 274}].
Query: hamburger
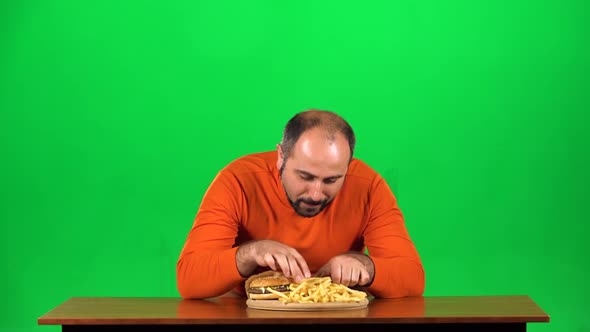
[{"x": 258, "y": 286}]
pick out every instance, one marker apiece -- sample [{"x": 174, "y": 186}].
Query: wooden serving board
[{"x": 278, "y": 305}]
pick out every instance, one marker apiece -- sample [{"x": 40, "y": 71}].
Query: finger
[
  {"x": 364, "y": 277},
  {"x": 321, "y": 272},
  {"x": 296, "y": 272},
  {"x": 336, "y": 274},
  {"x": 348, "y": 276},
  {"x": 283, "y": 263},
  {"x": 270, "y": 261},
  {"x": 300, "y": 265},
  {"x": 354, "y": 278}
]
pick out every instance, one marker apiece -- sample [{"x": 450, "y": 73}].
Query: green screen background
[{"x": 116, "y": 115}]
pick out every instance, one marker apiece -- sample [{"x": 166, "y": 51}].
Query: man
[{"x": 308, "y": 209}]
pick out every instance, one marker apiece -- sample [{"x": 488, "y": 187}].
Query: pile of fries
[{"x": 319, "y": 290}]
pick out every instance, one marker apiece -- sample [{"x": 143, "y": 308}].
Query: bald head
[
  {"x": 313, "y": 159},
  {"x": 329, "y": 124}
]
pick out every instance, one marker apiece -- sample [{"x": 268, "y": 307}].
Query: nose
[{"x": 316, "y": 191}]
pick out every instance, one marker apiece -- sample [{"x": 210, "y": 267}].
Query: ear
[{"x": 280, "y": 157}]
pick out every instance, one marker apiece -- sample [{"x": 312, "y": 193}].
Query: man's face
[{"x": 314, "y": 173}]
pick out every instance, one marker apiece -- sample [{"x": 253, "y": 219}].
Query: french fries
[{"x": 319, "y": 290}]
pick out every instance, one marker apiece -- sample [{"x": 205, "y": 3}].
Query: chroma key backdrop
[{"x": 116, "y": 115}]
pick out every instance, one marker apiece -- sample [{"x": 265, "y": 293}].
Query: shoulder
[
  {"x": 364, "y": 182},
  {"x": 262, "y": 162},
  {"x": 361, "y": 183},
  {"x": 359, "y": 170}
]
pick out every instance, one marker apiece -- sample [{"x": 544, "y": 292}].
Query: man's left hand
[{"x": 349, "y": 269}]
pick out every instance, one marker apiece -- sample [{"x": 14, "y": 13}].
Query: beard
[
  {"x": 308, "y": 212},
  {"x": 315, "y": 206}
]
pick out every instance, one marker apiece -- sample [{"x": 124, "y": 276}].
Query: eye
[
  {"x": 330, "y": 181},
  {"x": 306, "y": 177}
]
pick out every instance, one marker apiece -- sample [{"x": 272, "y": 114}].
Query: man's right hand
[{"x": 272, "y": 254}]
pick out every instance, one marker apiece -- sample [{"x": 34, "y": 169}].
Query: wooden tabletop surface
[{"x": 233, "y": 310}]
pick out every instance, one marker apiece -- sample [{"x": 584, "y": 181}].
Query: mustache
[{"x": 311, "y": 202}]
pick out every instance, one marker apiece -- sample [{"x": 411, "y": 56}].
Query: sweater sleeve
[
  {"x": 207, "y": 263},
  {"x": 398, "y": 268}
]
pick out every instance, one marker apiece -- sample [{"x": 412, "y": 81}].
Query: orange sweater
[{"x": 246, "y": 201}]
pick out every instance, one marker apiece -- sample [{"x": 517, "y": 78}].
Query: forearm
[
  {"x": 398, "y": 268},
  {"x": 397, "y": 277},
  {"x": 207, "y": 264},
  {"x": 204, "y": 274},
  {"x": 245, "y": 262}
]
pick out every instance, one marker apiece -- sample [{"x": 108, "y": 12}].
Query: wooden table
[{"x": 450, "y": 313}]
